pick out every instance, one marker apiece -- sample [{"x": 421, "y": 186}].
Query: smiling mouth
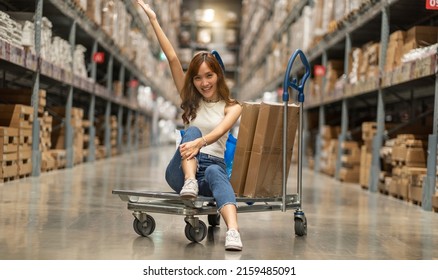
[{"x": 206, "y": 89}]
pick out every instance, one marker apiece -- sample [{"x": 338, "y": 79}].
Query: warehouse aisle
[{"x": 71, "y": 214}]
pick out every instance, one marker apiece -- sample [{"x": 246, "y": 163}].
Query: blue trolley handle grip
[
  {"x": 287, "y": 83},
  {"x": 219, "y": 59}
]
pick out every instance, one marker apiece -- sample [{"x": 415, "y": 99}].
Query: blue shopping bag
[{"x": 230, "y": 148}]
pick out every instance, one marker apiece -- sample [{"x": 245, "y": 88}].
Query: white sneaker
[
  {"x": 232, "y": 241},
  {"x": 190, "y": 189}
]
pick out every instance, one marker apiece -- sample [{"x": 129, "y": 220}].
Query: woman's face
[{"x": 206, "y": 82}]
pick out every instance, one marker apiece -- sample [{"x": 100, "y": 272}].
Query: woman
[{"x": 208, "y": 113}]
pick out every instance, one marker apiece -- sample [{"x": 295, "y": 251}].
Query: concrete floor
[{"x": 73, "y": 215}]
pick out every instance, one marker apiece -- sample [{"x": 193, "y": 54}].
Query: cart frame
[{"x": 144, "y": 202}]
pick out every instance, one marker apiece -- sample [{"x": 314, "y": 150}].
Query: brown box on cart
[
  {"x": 264, "y": 176},
  {"x": 245, "y": 139}
]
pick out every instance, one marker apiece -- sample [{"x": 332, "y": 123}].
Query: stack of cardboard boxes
[
  {"x": 329, "y": 149},
  {"x": 17, "y": 113},
  {"x": 24, "y": 97},
  {"x": 58, "y": 136},
  {"x": 395, "y": 50},
  {"x": 257, "y": 168},
  {"x": 16, "y": 120},
  {"x": 46, "y": 125},
  {"x": 350, "y": 162},
  {"x": 8, "y": 153},
  {"x": 409, "y": 157},
  {"x": 113, "y": 131},
  {"x": 144, "y": 135},
  {"x": 368, "y": 132}
]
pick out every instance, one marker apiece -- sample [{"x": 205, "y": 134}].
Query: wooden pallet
[{"x": 8, "y": 179}]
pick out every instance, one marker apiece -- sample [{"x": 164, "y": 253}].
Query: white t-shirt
[{"x": 208, "y": 116}]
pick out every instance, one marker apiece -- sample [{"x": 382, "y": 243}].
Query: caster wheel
[
  {"x": 300, "y": 227},
  {"x": 146, "y": 228},
  {"x": 214, "y": 220},
  {"x": 196, "y": 235}
]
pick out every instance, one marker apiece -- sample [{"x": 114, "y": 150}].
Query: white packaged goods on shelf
[
  {"x": 419, "y": 53},
  {"x": 10, "y": 30},
  {"x": 79, "y": 61},
  {"x": 60, "y": 53},
  {"x": 28, "y": 35},
  {"x": 353, "y": 76},
  {"x": 46, "y": 38}
]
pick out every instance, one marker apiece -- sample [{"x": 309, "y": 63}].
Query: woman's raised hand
[{"x": 149, "y": 12}]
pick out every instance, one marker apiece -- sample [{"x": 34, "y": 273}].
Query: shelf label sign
[
  {"x": 432, "y": 4},
  {"x": 99, "y": 57},
  {"x": 133, "y": 83},
  {"x": 318, "y": 71}
]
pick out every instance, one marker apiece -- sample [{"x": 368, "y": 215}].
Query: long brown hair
[{"x": 190, "y": 96}]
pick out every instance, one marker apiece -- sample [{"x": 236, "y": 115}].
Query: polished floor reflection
[{"x": 72, "y": 215}]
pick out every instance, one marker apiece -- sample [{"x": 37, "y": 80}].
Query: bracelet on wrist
[{"x": 205, "y": 141}]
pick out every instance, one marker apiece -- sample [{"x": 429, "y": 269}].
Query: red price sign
[
  {"x": 432, "y": 4},
  {"x": 99, "y": 57},
  {"x": 133, "y": 83},
  {"x": 318, "y": 70}
]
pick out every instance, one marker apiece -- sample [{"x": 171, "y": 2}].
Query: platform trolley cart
[{"x": 142, "y": 203}]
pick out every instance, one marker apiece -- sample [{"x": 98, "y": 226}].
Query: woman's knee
[
  {"x": 191, "y": 133},
  {"x": 216, "y": 174}
]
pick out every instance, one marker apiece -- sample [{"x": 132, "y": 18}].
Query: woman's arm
[
  {"x": 191, "y": 149},
  {"x": 232, "y": 114},
  {"x": 166, "y": 46}
]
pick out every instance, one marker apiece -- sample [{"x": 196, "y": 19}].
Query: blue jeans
[{"x": 211, "y": 173}]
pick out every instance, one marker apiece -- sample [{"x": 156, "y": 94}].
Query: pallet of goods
[
  {"x": 329, "y": 149},
  {"x": 58, "y": 136},
  {"x": 8, "y": 153},
  {"x": 46, "y": 125},
  {"x": 409, "y": 155},
  {"x": 20, "y": 117},
  {"x": 350, "y": 161}
]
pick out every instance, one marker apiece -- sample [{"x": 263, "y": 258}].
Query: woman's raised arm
[{"x": 166, "y": 46}]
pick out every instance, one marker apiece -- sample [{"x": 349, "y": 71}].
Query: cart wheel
[
  {"x": 214, "y": 220},
  {"x": 144, "y": 228},
  {"x": 300, "y": 227},
  {"x": 196, "y": 235}
]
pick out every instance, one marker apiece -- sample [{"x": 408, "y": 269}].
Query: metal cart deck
[{"x": 143, "y": 202}]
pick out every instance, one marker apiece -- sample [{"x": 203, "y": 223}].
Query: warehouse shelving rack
[
  {"x": 93, "y": 94},
  {"x": 385, "y": 16}
]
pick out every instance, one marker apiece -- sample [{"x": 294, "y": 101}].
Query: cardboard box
[
  {"x": 8, "y": 140},
  {"x": 350, "y": 153},
  {"x": 18, "y": 116},
  {"x": 416, "y": 157},
  {"x": 394, "y": 51},
  {"x": 264, "y": 176},
  {"x": 420, "y": 36},
  {"x": 244, "y": 143},
  {"x": 350, "y": 175},
  {"x": 435, "y": 202}
]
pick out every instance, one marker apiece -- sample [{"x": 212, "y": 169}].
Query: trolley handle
[{"x": 287, "y": 83}]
